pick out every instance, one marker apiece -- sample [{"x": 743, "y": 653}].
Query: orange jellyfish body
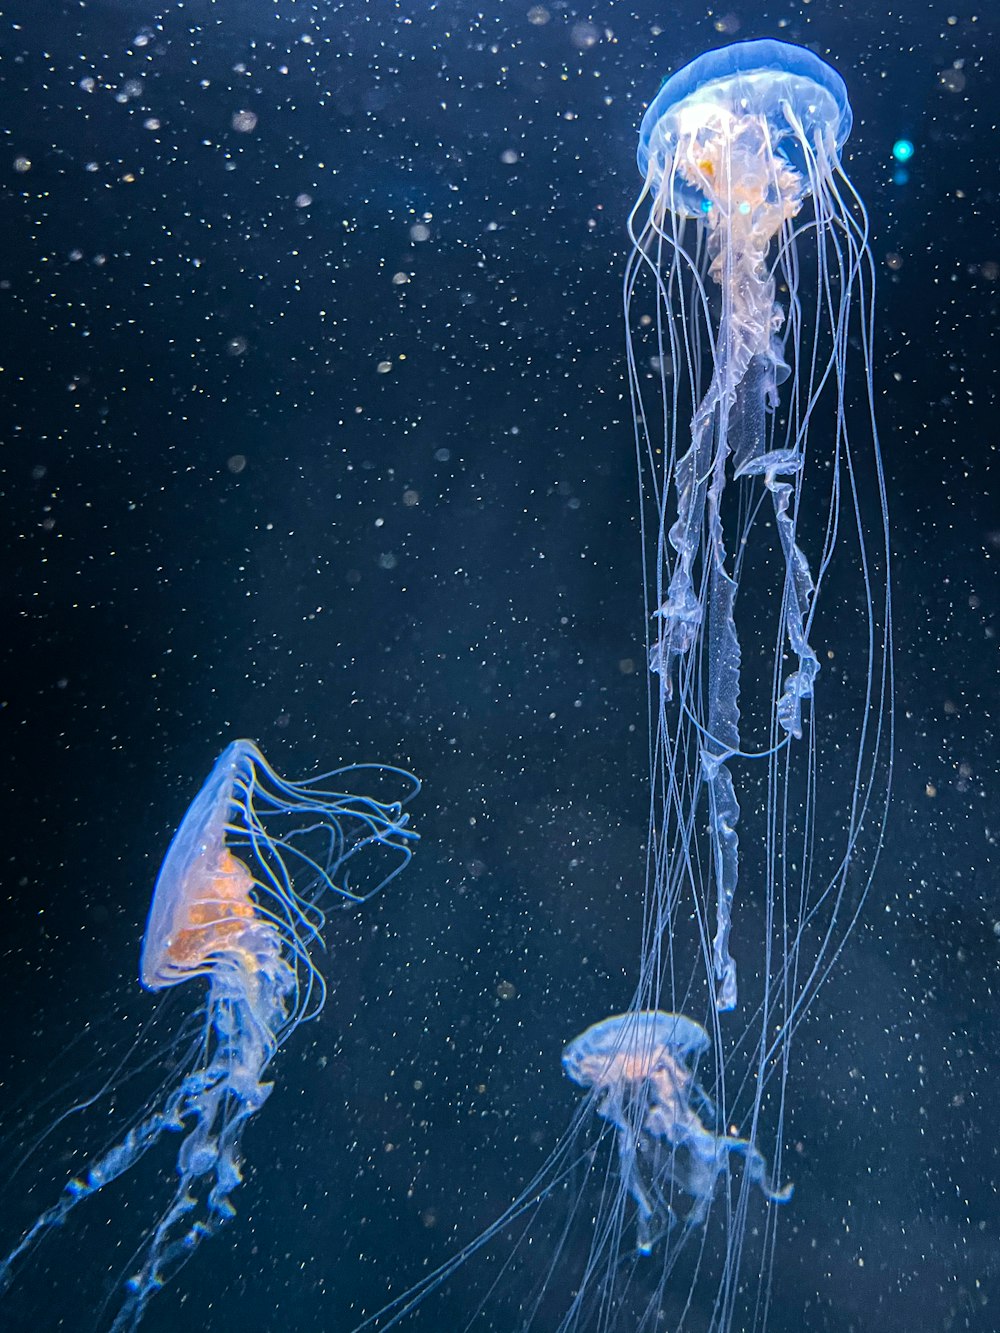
[
  {"x": 216, "y": 908},
  {"x": 203, "y": 902}
]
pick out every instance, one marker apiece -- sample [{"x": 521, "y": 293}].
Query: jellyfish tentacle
[
  {"x": 220, "y": 1103},
  {"x": 752, "y": 458},
  {"x": 102, "y": 1171}
]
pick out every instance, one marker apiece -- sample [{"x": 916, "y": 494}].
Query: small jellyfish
[
  {"x": 641, "y": 1068},
  {"x": 238, "y": 901}
]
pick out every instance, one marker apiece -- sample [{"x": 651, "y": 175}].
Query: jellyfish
[
  {"x": 239, "y": 901},
  {"x": 760, "y": 279},
  {"x": 640, "y": 1068}
]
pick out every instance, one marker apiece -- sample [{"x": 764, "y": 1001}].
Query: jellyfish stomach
[{"x": 749, "y": 193}]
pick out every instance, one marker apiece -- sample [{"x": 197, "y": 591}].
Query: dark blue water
[{"x": 316, "y": 430}]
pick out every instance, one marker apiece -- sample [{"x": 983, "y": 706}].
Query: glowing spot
[{"x": 902, "y": 150}]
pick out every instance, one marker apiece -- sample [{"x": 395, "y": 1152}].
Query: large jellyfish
[
  {"x": 238, "y": 901},
  {"x": 749, "y": 314},
  {"x": 756, "y": 248}
]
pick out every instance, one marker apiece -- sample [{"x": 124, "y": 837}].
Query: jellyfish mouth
[{"x": 733, "y": 162}]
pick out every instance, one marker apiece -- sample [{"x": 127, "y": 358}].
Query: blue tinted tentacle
[
  {"x": 723, "y": 816},
  {"x": 100, "y": 1172},
  {"x": 752, "y": 458},
  {"x": 247, "y": 1013},
  {"x": 680, "y": 612},
  {"x": 724, "y": 731},
  {"x": 799, "y": 589},
  {"x": 759, "y": 1174},
  {"x": 756, "y": 1167}
]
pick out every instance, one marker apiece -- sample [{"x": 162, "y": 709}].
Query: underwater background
[{"x": 316, "y": 430}]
